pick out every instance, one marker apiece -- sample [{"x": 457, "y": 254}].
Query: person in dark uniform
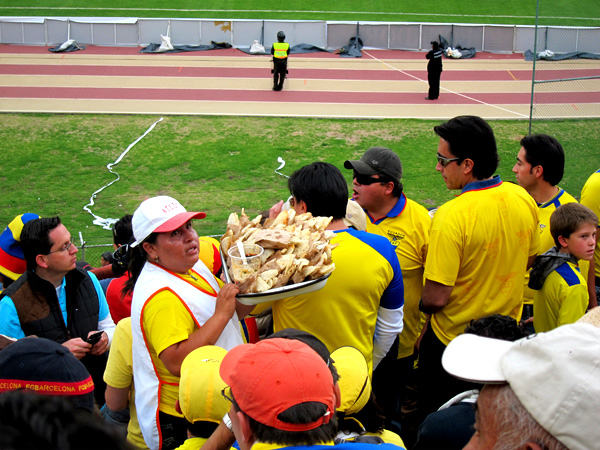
[
  {"x": 434, "y": 70},
  {"x": 280, "y": 52}
]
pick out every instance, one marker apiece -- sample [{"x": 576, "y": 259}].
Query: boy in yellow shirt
[{"x": 561, "y": 295}]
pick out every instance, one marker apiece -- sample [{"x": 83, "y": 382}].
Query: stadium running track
[{"x": 381, "y": 84}]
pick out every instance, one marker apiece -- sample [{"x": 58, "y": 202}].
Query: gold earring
[{"x": 156, "y": 260}]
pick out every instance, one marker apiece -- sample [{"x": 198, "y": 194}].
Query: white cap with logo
[{"x": 158, "y": 215}]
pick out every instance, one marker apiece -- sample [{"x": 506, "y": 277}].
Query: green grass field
[
  {"x": 51, "y": 164},
  {"x": 552, "y": 12}
]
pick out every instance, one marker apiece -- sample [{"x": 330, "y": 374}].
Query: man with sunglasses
[
  {"x": 377, "y": 189},
  {"x": 480, "y": 246},
  {"x": 55, "y": 300}
]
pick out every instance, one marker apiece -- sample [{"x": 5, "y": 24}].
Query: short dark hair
[
  {"x": 122, "y": 231},
  {"x": 471, "y": 137},
  {"x": 30, "y": 420},
  {"x": 35, "y": 238},
  {"x": 497, "y": 326},
  {"x": 322, "y": 187},
  {"x": 568, "y": 218},
  {"x": 298, "y": 414},
  {"x": 546, "y": 151}
]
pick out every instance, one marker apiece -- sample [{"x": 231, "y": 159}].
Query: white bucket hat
[{"x": 158, "y": 215}]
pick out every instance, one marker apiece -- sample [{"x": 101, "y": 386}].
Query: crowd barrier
[{"x": 139, "y": 32}]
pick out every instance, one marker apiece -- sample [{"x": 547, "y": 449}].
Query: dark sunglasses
[
  {"x": 226, "y": 392},
  {"x": 366, "y": 180},
  {"x": 443, "y": 161}
]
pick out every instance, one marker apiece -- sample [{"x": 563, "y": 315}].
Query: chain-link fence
[
  {"x": 92, "y": 253},
  {"x": 566, "y": 71}
]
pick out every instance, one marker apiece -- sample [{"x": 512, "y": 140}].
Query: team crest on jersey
[{"x": 395, "y": 236}]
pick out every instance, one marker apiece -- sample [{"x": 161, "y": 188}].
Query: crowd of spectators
[{"x": 470, "y": 325}]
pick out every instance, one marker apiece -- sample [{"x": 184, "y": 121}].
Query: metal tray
[{"x": 278, "y": 293}]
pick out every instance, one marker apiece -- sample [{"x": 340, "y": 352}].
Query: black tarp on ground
[
  {"x": 153, "y": 48},
  {"x": 465, "y": 53},
  {"x": 353, "y": 49},
  {"x": 68, "y": 46},
  {"x": 298, "y": 48},
  {"x": 551, "y": 56}
]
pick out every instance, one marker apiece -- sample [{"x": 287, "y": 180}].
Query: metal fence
[
  {"x": 567, "y": 88},
  {"x": 326, "y": 34}
]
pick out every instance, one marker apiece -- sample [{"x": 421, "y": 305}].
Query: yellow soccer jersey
[
  {"x": 546, "y": 239},
  {"x": 479, "y": 244},
  {"x": 563, "y": 299},
  {"x": 407, "y": 228},
  {"x": 590, "y": 197},
  {"x": 366, "y": 276}
]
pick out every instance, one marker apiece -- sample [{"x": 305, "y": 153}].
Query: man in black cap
[
  {"x": 280, "y": 52},
  {"x": 377, "y": 189}
]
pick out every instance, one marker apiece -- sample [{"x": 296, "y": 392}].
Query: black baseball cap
[{"x": 378, "y": 161}]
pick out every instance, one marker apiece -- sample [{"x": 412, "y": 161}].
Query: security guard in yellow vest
[{"x": 280, "y": 52}]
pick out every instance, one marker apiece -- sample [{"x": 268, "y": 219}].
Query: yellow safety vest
[{"x": 281, "y": 49}]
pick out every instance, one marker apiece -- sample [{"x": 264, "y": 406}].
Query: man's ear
[
  {"x": 389, "y": 188},
  {"x": 338, "y": 396},
  {"x": 303, "y": 207},
  {"x": 468, "y": 166},
  {"x": 244, "y": 427},
  {"x": 41, "y": 261},
  {"x": 532, "y": 446},
  {"x": 538, "y": 171}
]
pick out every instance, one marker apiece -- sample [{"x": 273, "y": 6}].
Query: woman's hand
[{"x": 226, "y": 301}]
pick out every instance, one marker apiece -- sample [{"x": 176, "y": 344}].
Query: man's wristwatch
[{"x": 227, "y": 422}]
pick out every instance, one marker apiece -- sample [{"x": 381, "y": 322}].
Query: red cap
[{"x": 273, "y": 375}]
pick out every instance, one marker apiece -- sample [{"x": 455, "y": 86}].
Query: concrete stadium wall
[{"x": 132, "y": 32}]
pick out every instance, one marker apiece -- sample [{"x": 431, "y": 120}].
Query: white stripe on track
[{"x": 444, "y": 89}]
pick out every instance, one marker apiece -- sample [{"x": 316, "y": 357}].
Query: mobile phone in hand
[{"x": 94, "y": 338}]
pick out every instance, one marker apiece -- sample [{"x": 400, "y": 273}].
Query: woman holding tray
[{"x": 178, "y": 305}]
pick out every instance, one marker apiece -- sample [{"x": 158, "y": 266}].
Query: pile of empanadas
[{"x": 297, "y": 248}]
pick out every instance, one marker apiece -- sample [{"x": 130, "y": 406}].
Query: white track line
[
  {"x": 444, "y": 89},
  {"x": 283, "y": 11}
]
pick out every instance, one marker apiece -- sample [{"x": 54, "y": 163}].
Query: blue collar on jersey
[{"x": 482, "y": 184}]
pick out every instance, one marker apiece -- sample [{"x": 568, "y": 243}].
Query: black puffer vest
[{"x": 39, "y": 314}]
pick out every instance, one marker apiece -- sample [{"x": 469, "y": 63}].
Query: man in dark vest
[
  {"x": 280, "y": 52},
  {"x": 55, "y": 300},
  {"x": 434, "y": 70}
]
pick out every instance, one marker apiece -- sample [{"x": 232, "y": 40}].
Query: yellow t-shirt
[
  {"x": 119, "y": 374},
  {"x": 344, "y": 313},
  {"x": 546, "y": 239},
  {"x": 590, "y": 197},
  {"x": 479, "y": 244},
  {"x": 563, "y": 299},
  {"x": 407, "y": 228},
  {"x": 166, "y": 321}
]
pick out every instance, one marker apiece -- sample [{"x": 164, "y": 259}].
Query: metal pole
[{"x": 537, "y": 13}]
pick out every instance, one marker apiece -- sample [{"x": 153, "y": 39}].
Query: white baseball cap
[
  {"x": 554, "y": 375},
  {"x": 158, "y": 215}
]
